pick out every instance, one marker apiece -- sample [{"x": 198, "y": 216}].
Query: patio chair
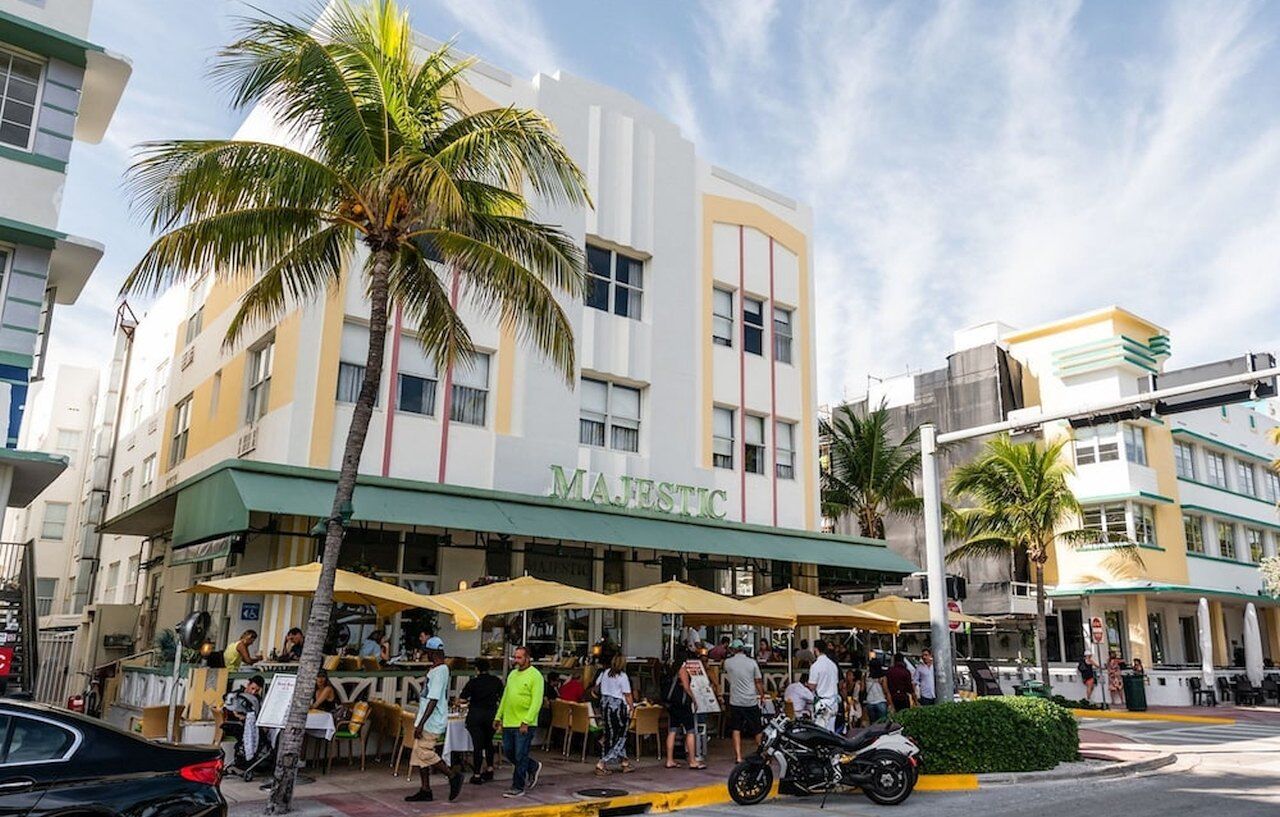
[
  {"x": 1246, "y": 693},
  {"x": 579, "y": 724},
  {"x": 404, "y": 741},
  {"x": 1199, "y": 693},
  {"x": 355, "y": 733},
  {"x": 1270, "y": 688},
  {"x": 559, "y": 720},
  {"x": 1224, "y": 689},
  {"x": 644, "y": 723}
]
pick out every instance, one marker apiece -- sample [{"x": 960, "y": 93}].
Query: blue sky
[{"x": 965, "y": 162}]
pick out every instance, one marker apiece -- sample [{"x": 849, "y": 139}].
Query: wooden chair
[
  {"x": 370, "y": 664},
  {"x": 1199, "y": 693},
  {"x": 349, "y": 663},
  {"x": 356, "y": 733},
  {"x": 404, "y": 740},
  {"x": 645, "y": 722},
  {"x": 1270, "y": 689},
  {"x": 1246, "y": 693},
  {"x": 579, "y": 724},
  {"x": 331, "y": 662},
  {"x": 1224, "y": 689},
  {"x": 559, "y": 720}
]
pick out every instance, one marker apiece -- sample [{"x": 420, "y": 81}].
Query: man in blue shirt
[{"x": 430, "y": 725}]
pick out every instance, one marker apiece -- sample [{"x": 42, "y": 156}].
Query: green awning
[
  {"x": 43, "y": 40},
  {"x": 221, "y": 499}
]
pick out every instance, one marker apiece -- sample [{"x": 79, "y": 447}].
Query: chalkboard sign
[
  {"x": 984, "y": 680},
  {"x": 275, "y": 707}
]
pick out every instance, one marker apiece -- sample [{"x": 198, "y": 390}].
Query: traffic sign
[
  {"x": 953, "y": 606},
  {"x": 1098, "y": 631},
  {"x": 6, "y": 661}
]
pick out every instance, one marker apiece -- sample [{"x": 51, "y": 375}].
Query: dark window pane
[
  {"x": 371, "y": 548},
  {"x": 417, "y": 395},
  {"x": 468, "y": 405},
  {"x": 597, "y": 296},
  {"x": 622, "y": 301},
  {"x": 22, "y": 91},
  {"x": 753, "y": 339},
  {"x": 598, "y": 262},
  {"x": 36, "y": 740},
  {"x": 18, "y": 112},
  {"x": 14, "y": 135},
  {"x": 629, "y": 271},
  {"x": 591, "y": 432},
  {"x": 421, "y": 553},
  {"x": 26, "y": 69}
]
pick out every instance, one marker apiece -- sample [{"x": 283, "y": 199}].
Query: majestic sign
[{"x": 638, "y": 492}]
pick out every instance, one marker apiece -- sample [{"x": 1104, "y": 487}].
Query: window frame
[
  {"x": 755, "y": 456},
  {"x": 1144, "y": 524},
  {"x": 1188, "y": 450},
  {"x": 1106, "y": 512},
  {"x": 1135, "y": 443},
  {"x": 753, "y": 331},
  {"x": 718, "y": 458},
  {"x": 125, "y": 489},
  {"x": 1218, "y": 480},
  {"x": 44, "y": 521},
  {"x": 783, "y": 334},
  {"x": 1188, "y": 520},
  {"x": 258, "y": 382},
  {"x": 1246, "y": 478},
  {"x": 434, "y": 393},
  {"x": 455, "y": 391},
  {"x": 77, "y": 738},
  {"x": 1098, "y": 447},
  {"x": 724, "y": 339},
  {"x": 148, "y": 476},
  {"x": 181, "y": 432},
  {"x": 359, "y": 382},
  {"x": 635, "y": 292},
  {"x": 785, "y": 458},
  {"x": 1270, "y": 485},
  {"x": 1218, "y": 527},
  {"x": 59, "y": 448},
  {"x": 43, "y": 63},
  {"x": 194, "y": 326},
  {"x": 610, "y": 421},
  {"x": 1255, "y": 556}
]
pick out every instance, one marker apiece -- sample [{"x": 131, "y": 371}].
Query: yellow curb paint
[
  {"x": 947, "y": 782},
  {"x": 1149, "y": 716}
]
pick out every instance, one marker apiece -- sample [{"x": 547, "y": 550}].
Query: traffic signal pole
[{"x": 935, "y": 553}]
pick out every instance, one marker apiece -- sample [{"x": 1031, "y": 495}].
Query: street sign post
[
  {"x": 1097, "y": 630},
  {"x": 953, "y": 606}
]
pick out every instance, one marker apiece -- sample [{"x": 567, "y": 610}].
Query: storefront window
[
  {"x": 369, "y": 550},
  {"x": 614, "y": 582},
  {"x": 1073, "y": 634},
  {"x": 1155, "y": 635},
  {"x": 559, "y": 633},
  {"x": 1116, "y": 633}
]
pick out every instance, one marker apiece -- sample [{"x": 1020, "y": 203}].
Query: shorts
[
  {"x": 681, "y": 719},
  {"x": 424, "y": 749},
  {"x": 745, "y": 719}
]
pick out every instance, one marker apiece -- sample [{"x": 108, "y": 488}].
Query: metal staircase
[{"x": 18, "y": 622}]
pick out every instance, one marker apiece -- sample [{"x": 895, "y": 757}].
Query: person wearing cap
[
  {"x": 746, "y": 691},
  {"x": 430, "y": 725},
  {"x": 824, "y": 679}
]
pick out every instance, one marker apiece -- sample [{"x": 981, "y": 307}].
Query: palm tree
[
  {"x": 392, "y": 164},
  {"x": 1022, "y": 504},
  {"x": 866, "y": 475}
]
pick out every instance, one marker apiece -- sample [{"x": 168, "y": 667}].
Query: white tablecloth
[
  {"x": 319, "y": 725},
  {"x": 456, "y": 736}
]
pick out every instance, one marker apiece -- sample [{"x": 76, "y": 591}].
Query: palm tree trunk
[
  {"x": 289, "y": 748},
  {"x": 1041, "y": 626}
]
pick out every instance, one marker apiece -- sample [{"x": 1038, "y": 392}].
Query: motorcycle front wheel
[
  {"x": 891, "y": 782},
  {"x": 750, "y": 782}
]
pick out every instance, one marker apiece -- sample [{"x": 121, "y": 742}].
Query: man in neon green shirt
[{"x": 518, "y": 718}]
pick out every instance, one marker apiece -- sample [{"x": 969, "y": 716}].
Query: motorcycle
[{"x": 879, "y": 759}]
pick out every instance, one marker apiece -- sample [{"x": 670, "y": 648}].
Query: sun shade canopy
[
  {"x": 906, "y": 611},
  {"x": 699, "y": 607},
  {"x": 515, "y": 596},
  {"x": 808, "y": 610}
]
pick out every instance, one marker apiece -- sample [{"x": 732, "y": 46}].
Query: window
[
  {"x": 609, "y": 411},
  {"x": 46, "y": 588},
  {"x": 1244, "y": 478},
  {"x": 1193, "y": 527},
  {"x": 614, "y": 279},
  {"x": 126, "y": 489},
  {"x": 1270, "y": 485},
  {"x": 113, "y": 580},
  {"x": 1184, "y": 457},
  {"x": 722, "y": 317},
  {"x": 350, "y": 376},
  {"x": 215, "y": 393},
  {"x": 786, "y": 468},
  {"x": 181, "y": 430},
  {"x": 194, "y": 324},
  {"x": 1107, "y": 520},
  {"x": 722, "y": 441},
  {"x": 33, "y": 741},
  {"x": 68, "y": 443},
  {"x": 1253, "y": 539},
  {"x": 1215, "y": 468},
  {"x": 261, "y": 361},
  {"x": 754, "y": 453},
  {"x": 1144, "y": 524},
  {"x": 1226, "y": 540},
  {"x": 148, "y": 476},
  {"x": 782, "y": 335},
  {"x": 416, "y": 395},
  {"x": 1135, "y": 444},
  {"x": 131, "y": 581},
  {"x": 471, "y": 391},
  {"x": 753, "y": 325},
  {"x": 54, "y": 524},
  {"x": 19, "y": 87},
  {"x": 1098, "y": 444}
]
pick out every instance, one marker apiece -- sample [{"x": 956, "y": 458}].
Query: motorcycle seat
[{"x": 861, "y": 738}]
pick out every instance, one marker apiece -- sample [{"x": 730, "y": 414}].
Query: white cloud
[{"x": 507, "y": 33}]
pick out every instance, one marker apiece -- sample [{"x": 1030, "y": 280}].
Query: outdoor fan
[{"x": 190, "y": 632}]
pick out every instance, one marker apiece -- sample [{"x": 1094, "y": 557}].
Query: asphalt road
[{"x": 1222, "y": 771}]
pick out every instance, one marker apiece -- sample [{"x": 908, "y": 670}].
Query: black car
[{"x": 55, "y": 762}]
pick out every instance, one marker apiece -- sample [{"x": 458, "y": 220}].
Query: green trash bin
[
  {"x": 1033, "y": 689},
  {"x": 1135, "y": 692}
]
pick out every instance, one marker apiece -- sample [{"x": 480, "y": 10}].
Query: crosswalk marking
[{"x": 1190, "y": 735}]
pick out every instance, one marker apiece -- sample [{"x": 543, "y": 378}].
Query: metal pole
[
  {"x": 173, "y": 693},
  {"x": 939, "y": 629}
]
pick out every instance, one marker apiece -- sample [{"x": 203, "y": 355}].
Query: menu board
[
  {"x": 704, "y": 697},
  {"x": 275, "y": 707}
]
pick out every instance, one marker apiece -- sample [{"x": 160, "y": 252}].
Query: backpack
[{"x": 675, "y": 696}]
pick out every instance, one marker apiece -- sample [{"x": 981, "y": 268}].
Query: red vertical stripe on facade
[
  {"x": 742, "y": 371},
  {"x": 773, "y": 396},
  {"x": 446, "y": 407},
  {"x": 394, "y": 393}
]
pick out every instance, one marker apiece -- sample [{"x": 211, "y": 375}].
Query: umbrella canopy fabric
[
  {"x": 699, "y": 607},
  {"x": 1206, "y": 644},
  {"x": 1252, "y": 645},
  {"x": 808, "y": 610},
  {"x": 517, "y": 596},
  {"x": 906, "y": 611},
  {"x": 348, "y": 588}
]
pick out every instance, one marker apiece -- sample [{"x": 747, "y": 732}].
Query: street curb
[
  {"x": 1113, "y": 770},
  {"x": 1124, "y": 715}
]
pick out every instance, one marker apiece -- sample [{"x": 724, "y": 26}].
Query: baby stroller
[{"x": 253, "y": 752}]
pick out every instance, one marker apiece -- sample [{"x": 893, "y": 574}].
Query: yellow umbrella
[
  {"x": 348, "y": 588},
  {"x": 517, "y": 596},
  {"x": 906, "y": 611},
  {"x": 698, "y": 606},
  {"x": 808, "y": 610}
]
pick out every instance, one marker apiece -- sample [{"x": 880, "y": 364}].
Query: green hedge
[{"x": 992, "y": 735}]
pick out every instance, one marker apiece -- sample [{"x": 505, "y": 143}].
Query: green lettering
[
  {"x": 644, "y": 493},
  {"x": 712, "y": 510},
  {"x": 562, "y": 488},
  {"x": 600, "y": 492},
  {"x": 623, "y": 499},
  {"x": 687, "y": 493},
  {"x": 703, "y": 510},
  {"x": 665, "y": 498}
]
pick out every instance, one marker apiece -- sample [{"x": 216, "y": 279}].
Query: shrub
[
  {"x": 1083, "y": 703},
  {"x": 992, "y": 735}
]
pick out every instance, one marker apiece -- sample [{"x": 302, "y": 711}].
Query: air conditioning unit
[
  {"x": 170, "y": 480},
  {"x": 188, "y": 357},
  {"x": 248, "y": 441}
]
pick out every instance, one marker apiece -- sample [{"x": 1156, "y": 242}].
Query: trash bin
[
  {"x": 1032, "y": 689},
  {"x": 1135, "y": 692}
]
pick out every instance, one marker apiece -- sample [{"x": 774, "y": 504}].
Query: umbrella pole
[{"x": 791, "y": 634}]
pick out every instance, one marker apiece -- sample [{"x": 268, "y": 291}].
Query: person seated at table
[
  {"x": 800, "y": 696},
  {"x": 551, "y": 689},
  {"x": 481, "y": 695},
  {"x": 292, "y": 645},
  {"x": 325, "y": 698},
  {"x": 375, "y": 646},
  {"x": 239, "y": 654},
  {"x": 571, "y": 690},
  {"x": 720, "y": 651},
  {"x": 424, "y": 635},
  {"x": 765, "y": 654}
]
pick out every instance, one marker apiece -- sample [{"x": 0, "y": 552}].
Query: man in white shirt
[
  {"x": 922, "y": 676},
  {"x": 800, "y": 696},
  {"x": 824, "y": 678}
]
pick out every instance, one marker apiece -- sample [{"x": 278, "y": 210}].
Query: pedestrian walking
[
  {"x": 746, "y": 691},
  {"x": 898, "y": 679},
  {"x": 1115, "y": 680},
  {"x": 1088, "y": 669},
  {"x": 518, "y": 718},
  {"x": 430, "y": 725},
  {"x": 681, "y": 719},
  {"x": 616, "y": 704},
  {"x": 482, "y": 695},
  {"x": 877, "y": 692},
  {"x": 922, "y": 677}
]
